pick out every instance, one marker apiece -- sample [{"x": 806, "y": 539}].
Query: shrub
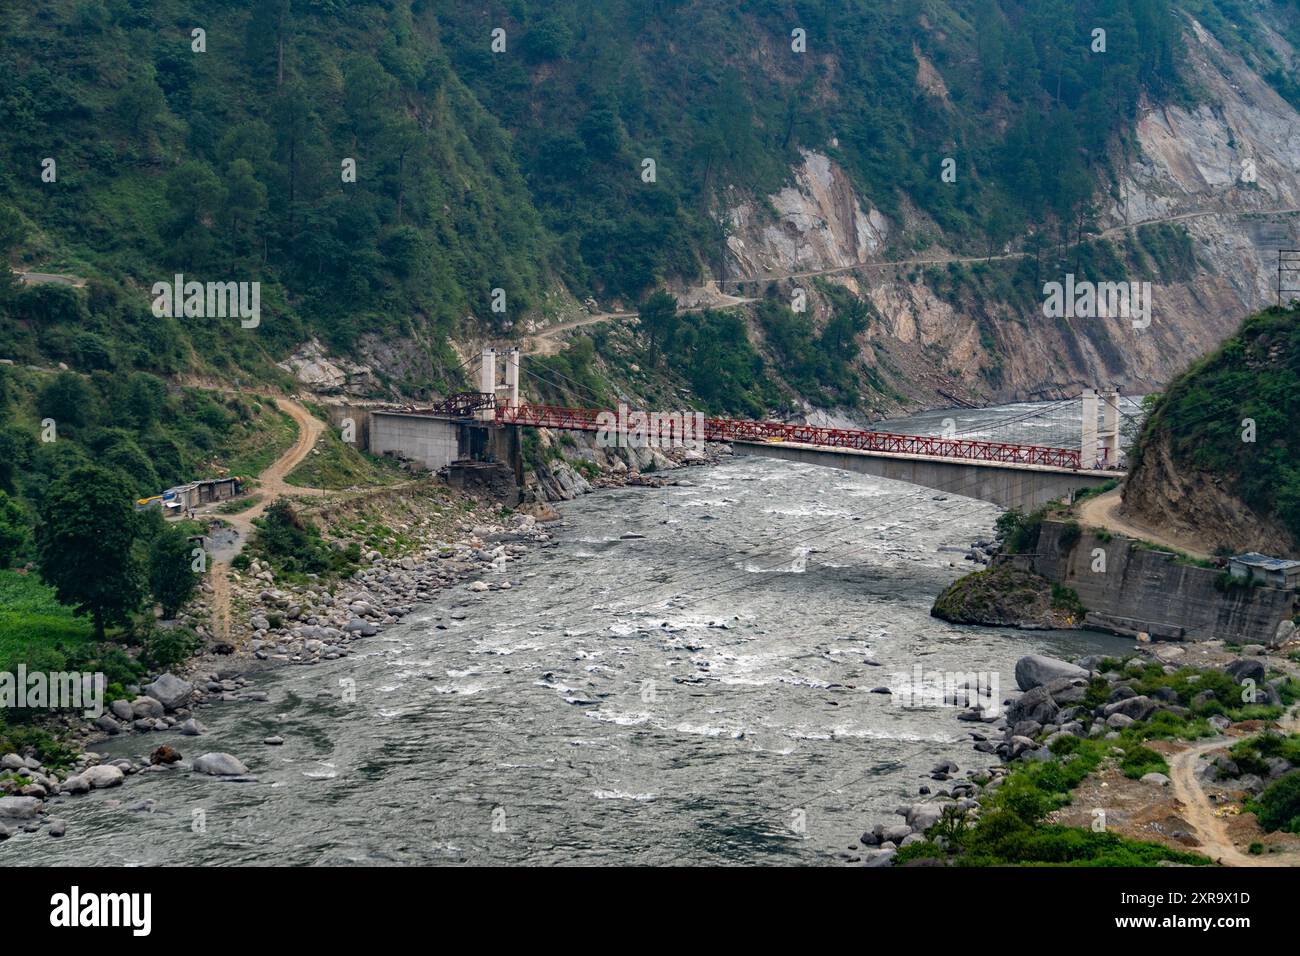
[
  {"x": 1139, "y": 760},
  {"x": 1278, "y": 807}
]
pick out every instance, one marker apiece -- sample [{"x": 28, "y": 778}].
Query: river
[{"x": 684, "y": 678}]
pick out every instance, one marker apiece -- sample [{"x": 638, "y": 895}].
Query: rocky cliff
[{"x": 1226, "y": 170}]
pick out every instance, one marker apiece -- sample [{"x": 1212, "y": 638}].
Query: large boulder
[
  {"x": 1036, "y": 705},
  {"x": 1139, "y": 708},
  {"x": 1035, "y": 670},
  {"x": 19, "y": 808},
  {"x": 1246, "y": 669},
  {"x": 1067, "y": 690},
  {"x": 146, "y": 706},
  {"x": 105, "y": 775},
  {"x": 170, "y": 691},
  {"x": 921, "y": 816},
  {"x": 219, "y": 765}
]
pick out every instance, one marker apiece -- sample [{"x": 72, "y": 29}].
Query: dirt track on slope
[{"x": 271, "y": 486}]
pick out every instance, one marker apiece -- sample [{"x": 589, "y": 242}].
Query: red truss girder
[{"x": 730, "y": 429}]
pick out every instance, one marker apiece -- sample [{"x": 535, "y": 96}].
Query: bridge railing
[
  {"x": 729, "y": 430},
  {"x": 462, "y": 404}
]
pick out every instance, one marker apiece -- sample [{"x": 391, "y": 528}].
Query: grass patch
[
  {"x": 35, "y": 629},
  {"x": 238, "y": 505},
  {"x": 334, "y": 464}
]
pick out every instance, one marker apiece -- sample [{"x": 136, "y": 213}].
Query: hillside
[
  {"x": 1216, "y": 459},
  {"x": 516, "y": 176}
]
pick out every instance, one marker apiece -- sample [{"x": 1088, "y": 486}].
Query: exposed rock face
[
  {"x": 312, "y": 366},
  {"x": 1188, "y": 169},
  {"x": 820, "y": 223}
]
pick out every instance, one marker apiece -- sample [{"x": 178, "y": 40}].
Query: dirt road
[
  {"x": 1198, "y": 810},
  {"x": 271, "y": 486},
  {"x": 544, "y": 342},
  {"x": 1103, "y": 512}
]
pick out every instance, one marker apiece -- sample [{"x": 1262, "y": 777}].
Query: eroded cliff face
[
  {"x": 1227, "y": 171},
  {"x": 820, "y": 223},
  {"x": 1199, "y": 506}
]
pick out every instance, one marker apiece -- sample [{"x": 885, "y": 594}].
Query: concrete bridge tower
[
  {"x": 1100, "y": 443},
  {"x": 1088, "y": 432},
  {"x": 1108, "y": 437},
  {"x": 487, "y": 383}
]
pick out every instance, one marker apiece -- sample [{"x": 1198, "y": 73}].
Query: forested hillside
[
  {"x": 1217, "y": 456},
  {"x": 515, "y": 160}
]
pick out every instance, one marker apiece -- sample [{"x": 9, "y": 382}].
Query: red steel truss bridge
[{"x": 738, "y": 430}]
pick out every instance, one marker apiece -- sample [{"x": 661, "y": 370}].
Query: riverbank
[
  {"x": 409, "y": 545},
  {"x": 1106, "y": 762}
]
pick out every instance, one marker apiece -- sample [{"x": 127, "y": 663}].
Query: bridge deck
[{"x": 679, "y": 427}]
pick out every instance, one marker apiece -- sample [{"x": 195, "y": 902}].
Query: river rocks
[
  {"x": 191, "y": 728},
  {"x": 921, "y": 816},
  {"x": 103, "y": 776},
  {"x": 1067, "y": 690},
  {"x": 895, "y": 833},
  {"x": 1019, "y": 745},
  {"x": 164, "y": 755},
  {"x": 12, "y": 762},
  {"x": 1034, "y": 670},
  {"x": 149, "y": 707},
  {"x": 57, "y": 828},
  {"x": 19, "y": 808},
  {"x": 219, "y": 765},
  {"x": 170, "y": 691},
  {"x": 122, "y": 710},
  {"x": 274, "y": 741},
  {"x": 107, "y": 724},
  {"x": 1036, "y": 704},
  {"x": 76, "y": 784}
]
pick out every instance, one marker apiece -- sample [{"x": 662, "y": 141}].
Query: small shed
[{"x": 1273, "y": 572}]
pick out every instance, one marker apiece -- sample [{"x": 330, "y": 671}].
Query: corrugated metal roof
[{"x": 1254, "y": 559}]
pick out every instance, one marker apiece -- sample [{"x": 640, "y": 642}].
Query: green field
[{"x": 35, "y": 629}]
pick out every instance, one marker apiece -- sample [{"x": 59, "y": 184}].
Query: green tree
[
  {"x": 171, "y": 577},
  {"x": 68, "y": 400},
  {"x": 659, "y": 322},
  {"x": 140, "y": 101},
  {"x": 84, "y": 545},
  {"x": 13, "y": 531}
]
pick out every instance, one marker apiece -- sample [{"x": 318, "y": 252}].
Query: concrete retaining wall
[
  {"x": 1144, "y": 590},
  {"x": 432, "y": 442}
]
